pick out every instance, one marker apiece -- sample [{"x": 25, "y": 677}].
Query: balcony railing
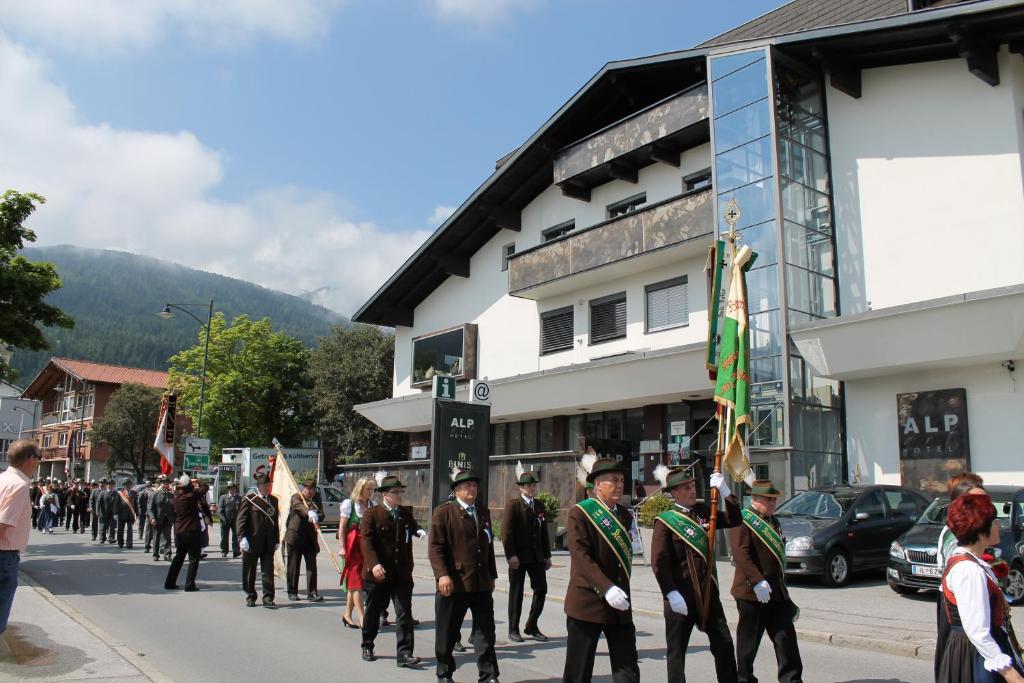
[{"x": 672, "y": 222}]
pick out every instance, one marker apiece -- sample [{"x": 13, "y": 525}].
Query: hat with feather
[
  {"x": 386, "y": 482},
  {"x": 669, "y": 478},
  {"x": 459, "y": 476},
  {"x": 524, "y": 476},
  {"x": 591, "y": 466}
]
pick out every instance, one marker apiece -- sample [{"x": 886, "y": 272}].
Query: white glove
[
  {"x": 313, "y": 517},
  {"x": 421, "y": 533},
  {"x": 763, "y": 591},
  {"x": 718, "y": 482},
  {"x": 244, "y": 545},
  {"x": 677, "y": 603},
  {"x": 617, "y": 598}
]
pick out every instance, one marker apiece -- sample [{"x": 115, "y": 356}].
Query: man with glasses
[{"x": 15, "y": 518}]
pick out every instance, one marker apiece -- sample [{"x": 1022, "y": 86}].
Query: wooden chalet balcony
[
  {"x": 665, "y": 232},
  {"x": 658, "y": 133}
]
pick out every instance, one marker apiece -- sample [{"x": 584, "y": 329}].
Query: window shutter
[
  {"x": 556, "y": 331},
  {"x": 667, "y": 307},
  {"x": 608, "y": 319}
]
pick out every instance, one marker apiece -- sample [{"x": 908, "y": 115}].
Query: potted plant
[{"x": 549, "y": 513}]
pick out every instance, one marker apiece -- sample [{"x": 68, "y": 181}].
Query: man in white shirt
[{"x": 15, "y": 518}]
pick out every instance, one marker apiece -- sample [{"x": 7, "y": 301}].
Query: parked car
[
  {"x": 331, "y": 497},
  {"x": 835, "y": 531},
  {"x": 913, "y": 557}
]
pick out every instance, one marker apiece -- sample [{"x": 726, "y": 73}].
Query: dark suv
[
  {"x": 834, "y": 531},
  {"x": 913, "y": 557}
]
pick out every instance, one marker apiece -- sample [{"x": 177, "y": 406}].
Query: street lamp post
[{"x": 166, "y": 314}]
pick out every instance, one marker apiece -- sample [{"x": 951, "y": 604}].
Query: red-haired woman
[{"x": 978, "y": 648}]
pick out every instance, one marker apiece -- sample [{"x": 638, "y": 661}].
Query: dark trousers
[
  {"x": 378, "y": 595},
  {"x": 83, "y": 519},
  {"x": 516, "y": 584},
  {"x": 69, "y": 516},
  {"x": 125, "y": 526},
  {"x": 35, "y": 517},
  {"x": 448, "y": 615},
  {"x": 296, "y": 554},
  {"x": 187, "y": 544},
  {"x": 266, "y": 562},
  {"x": 227, "y": 529},
  {"x": 143, "y": 523},
  {"x": 94, "y": 524},
  {"x": 777, "y": 619},
  {"x": 161, "y": 532},
  {"x": 581, "y": 645},
  {"x": 677, "y": 636},
  {"x": 147, "y": 533},
  {"x": 108, "y": 527}
]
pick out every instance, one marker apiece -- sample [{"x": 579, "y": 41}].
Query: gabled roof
[{"x": 97, "y": 373}]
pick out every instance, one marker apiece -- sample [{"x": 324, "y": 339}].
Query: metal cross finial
[{"x": 732, "y": 214}]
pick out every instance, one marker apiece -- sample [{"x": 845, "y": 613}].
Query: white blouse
[
  {"x": 967, "y": 580},
  {"x": 346, "y": 510}
]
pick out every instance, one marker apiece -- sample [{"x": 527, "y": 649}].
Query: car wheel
[
  {"x": 1015, "y": 584},
  {"x": 903, "y": 590},
  {"x": 837, "y": 568}
]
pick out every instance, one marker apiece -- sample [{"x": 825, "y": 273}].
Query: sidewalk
[{"x": 48, "y": 640}]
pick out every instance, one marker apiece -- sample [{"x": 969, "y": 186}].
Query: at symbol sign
[{"x": 481, "y": 391}]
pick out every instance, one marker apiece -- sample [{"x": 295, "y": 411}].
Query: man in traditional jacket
[
  {"x": 259, "y": 535},
  {"x": 94, "y": 506},
  {"x": 462, "y": 557},
  {"x": 528, "y": 551},
  {"x": 679, "y": 556},
  {"x": 759, "y": 586},
  {"x": 107, "y": 506},
  {"x": 126, "y": 512},
  {"x": 227, "y": 510},
  {"x": 300, "y": 538},
  {"x": 188, "y": 532},
  {"x": 161, "y": 517},
  {"x": 145, "y": 533},
  {"x": 601, "y": 558},
  {"x": 386, "y": 533}
]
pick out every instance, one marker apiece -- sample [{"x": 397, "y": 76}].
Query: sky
[{"x": 298, "y": 144}]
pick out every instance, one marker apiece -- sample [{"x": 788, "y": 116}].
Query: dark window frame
[
  {"x": 602, "y": 301},
  {"x": 506, "y": 254},
  {"x": 557, "y": 312},
  {"x": 690, "y": 181},
  {"x": 658, "y": 286},
  {"x": 556, "y": 231},
  {"x": 626, "y": 206}
]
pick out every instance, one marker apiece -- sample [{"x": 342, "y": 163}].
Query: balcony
[
  {"x": 658, "y": 133},
  {"x": 663, "y": 233},
  {"x": 51, "y": 419}
]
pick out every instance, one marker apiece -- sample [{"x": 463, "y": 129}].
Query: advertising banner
[
  {"x": 933, "y": 437},
  {"x": 460, "y": 438}
]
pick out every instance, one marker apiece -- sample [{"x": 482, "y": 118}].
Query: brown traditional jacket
[
  {"x": 257, "y": 521},
  {"x": 299, "y": 531},
  {"x": 677, "y": 566},
  {"x": 755, "y": 561},
  {"x": 593, "y": 569},
  {"x": 463, "y": 549},
  {"x": 524, "y": 533},
  {"x": 187, "y": 505},
  {"x": 388, "y": 542}
]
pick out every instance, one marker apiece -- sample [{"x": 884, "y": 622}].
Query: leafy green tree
[
  {"x": 128, "y": 427},
  {"x": 257, "y": 384},
  {"x": 24, "y": 284},
  {"x": 354, "y": 365}
]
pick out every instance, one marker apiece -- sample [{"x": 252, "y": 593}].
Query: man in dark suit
[
  {"x": 679, "y": 555},
  {"x": 601, "y": 556},
  {"x": 126, "y": 512},
  {"x": 227, "y": 510},
  {"x": 107, "y": 504},
  {"x": 759, "y": 586},
  {"x": 462, "y": 557},
  {"x": 34, "y": 494},
  {"x": 259, "y": 534},
  {"x": 386, "y": 533},
  {"x": 94, "y": 506},
  {"x": 161, "y": 517},
  {"x": 528, "y": 551},
  {"x": 188, "y": 533},
  {"x": 300, "y": 539}
]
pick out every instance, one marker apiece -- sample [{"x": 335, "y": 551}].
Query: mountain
[{"x": 115, "y": 297}]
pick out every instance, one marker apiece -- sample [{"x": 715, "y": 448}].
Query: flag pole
[{"x": 319, "y": 533}]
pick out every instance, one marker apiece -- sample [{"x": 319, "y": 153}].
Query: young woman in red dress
[{"x": 351, "y": 514}]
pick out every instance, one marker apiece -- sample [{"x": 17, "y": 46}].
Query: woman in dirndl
[
  {"x": 350, "y": 548},
  {"x": 979, "y": 647}
]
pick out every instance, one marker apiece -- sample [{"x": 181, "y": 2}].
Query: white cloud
[
  {"x": 482, "y": 13},
  {"x": 151, "y": 193},
  {"x": 99, "y": 26},
  {"x": 440, "y": 215}
]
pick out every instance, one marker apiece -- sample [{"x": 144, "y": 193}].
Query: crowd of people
[{"x": 975, "y": 641}]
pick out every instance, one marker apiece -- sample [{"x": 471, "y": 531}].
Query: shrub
[
  {"x": 651, "y": 508},
  {"x": 551, "y": 505}
]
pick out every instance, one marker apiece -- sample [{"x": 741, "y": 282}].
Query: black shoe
[
  {"x": 515, "y": 637},
  {"x": 223, "y": 554},
  {"x": 315, "y": 597},
  {"x": 536, "y": 635},
  {"x": 171, "y": 588},
  {"x": 202, "y": 556},
  {"x": 293, "y": 596},
  {"x": 250, "y": 602},
  {"x": 459, "y": 647},
  {"x": 148, "y": 549},
  {"x": 368, "y": 655},
  {"x": 384, "y": 621},
  {"x": 234, "y": 555},
  {"x": 191, "y": 589},
  {"x": 445, "y": 680},
  {"x": 156, "y": 558},
  {"x": 415, "y": 622},
  {"x": 409, "y": 662},
  {"x": 269, "y": 604}
]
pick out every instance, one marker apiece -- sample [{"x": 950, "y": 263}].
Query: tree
[
  {"x": 24, "y": 284},
  {"x": 354, "y": 365},
  {"x": 128, "y": 426},
  {"x": 257, "y": 384}
]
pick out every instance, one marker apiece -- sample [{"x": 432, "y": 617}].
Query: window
[
  {"x": 697, "y": 181},
  {"x": 556, "y": 331},
  {"x": 506, "y": 253},
  {"x": 47, "y": 440},
  {"x": 608, "y": 318},
  {"x": 872, "y": 504},
  {"x": 628, "y": 205},
  {"x": 667, "y": 305},
  {"x": 62, "y": 439},
  {"x": 554, "y": 232},
  {"x": 447, "y": 352}
]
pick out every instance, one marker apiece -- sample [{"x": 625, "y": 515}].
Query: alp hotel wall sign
[{"x": 933, "y": 436}]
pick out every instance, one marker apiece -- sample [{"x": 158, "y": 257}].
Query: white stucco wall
[
  {"x": 926, "y": 170},
  {"x": 994, "y": 408}
]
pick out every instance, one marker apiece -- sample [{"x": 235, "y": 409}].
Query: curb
[
  {"x": 126, "y": 653},
  {"x": 853, "y": 642}
]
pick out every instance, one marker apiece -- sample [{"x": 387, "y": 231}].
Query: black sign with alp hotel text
[
  {"x": 460, "y": 438},
  {"x": 933, "y": 437}
]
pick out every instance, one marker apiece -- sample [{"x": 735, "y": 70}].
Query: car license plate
[{"x": 924, "y": 570}]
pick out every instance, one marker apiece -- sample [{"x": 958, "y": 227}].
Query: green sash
[
  {"x": 768, "y": 535},
  {"x": 611, "y": 530},
  {"x": 689, "y": 532}
]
